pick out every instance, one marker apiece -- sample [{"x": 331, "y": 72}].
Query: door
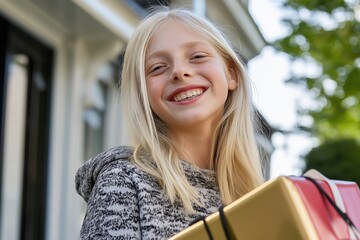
[{"x": 25, "y": 100}]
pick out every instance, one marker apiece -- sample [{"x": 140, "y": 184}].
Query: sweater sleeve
[{"x": 112, "y": 210}]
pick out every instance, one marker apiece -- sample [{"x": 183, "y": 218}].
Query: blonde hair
[{"x": 234, "y": 154}]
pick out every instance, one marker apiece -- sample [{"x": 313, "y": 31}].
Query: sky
[{"x": 276, "y": 100}]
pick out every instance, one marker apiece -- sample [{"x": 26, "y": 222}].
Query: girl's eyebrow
[
  {"x": 194, "y": 44},
  {"x": 185, "y": 45}
]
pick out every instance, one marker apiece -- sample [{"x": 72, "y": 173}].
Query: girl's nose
[{"x": 181, "y": 71}]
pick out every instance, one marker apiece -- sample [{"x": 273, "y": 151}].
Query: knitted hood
[{"x": 87, "y": 174}]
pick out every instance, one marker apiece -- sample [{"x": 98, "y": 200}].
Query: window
[{"x": 25, "y": 87}]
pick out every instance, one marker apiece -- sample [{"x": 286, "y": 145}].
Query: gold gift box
[{"x": 272, "y": 211}]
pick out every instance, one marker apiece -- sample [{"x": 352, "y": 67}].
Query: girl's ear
[{"x": 232, "y": 79}]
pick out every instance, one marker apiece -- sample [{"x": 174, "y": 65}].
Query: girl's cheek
[{"x": 154, "y": 89}]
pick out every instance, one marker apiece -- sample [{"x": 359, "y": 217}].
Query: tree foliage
[
  {"x": 326, "y": 34},
  {"x": 337, "y": 159}
]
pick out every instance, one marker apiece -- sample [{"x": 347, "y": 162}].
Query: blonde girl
[{"x": 188, "y": 104}]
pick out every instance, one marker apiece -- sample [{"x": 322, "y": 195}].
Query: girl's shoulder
[{"x": 113, "y": 160}]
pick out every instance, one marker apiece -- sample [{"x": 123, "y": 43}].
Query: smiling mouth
[{"x": 187, "y": 95}]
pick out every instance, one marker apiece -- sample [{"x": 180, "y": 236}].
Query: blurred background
[
  {"x": 309, "y": 84},
  {"x": 59, "y": 68}
]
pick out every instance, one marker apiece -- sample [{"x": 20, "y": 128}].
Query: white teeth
[{"x": 188, "y": 94}]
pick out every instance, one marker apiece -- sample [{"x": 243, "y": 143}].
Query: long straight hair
[{"x": 234, "y": 154}]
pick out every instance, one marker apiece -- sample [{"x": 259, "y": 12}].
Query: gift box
[{"x": 284, "y": 208}]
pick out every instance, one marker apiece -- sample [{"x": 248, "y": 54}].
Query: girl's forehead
[
  {"x": 173, "y": 26},
  {"x": 173, "y": 32}
]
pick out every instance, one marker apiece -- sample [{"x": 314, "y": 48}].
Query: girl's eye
[
  {"x": 198, "y": 56},
  {"x": 156, "y": 68}
]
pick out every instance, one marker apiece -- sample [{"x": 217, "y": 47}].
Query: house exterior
[{"x": 59, "y": 99}]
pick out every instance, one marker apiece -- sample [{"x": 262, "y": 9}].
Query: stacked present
[{"x": 286, "y": 208}]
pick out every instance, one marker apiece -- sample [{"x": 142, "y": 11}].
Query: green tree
[
  {"x": 326, "y": 34},
  {"x": 337, "y": 159}
]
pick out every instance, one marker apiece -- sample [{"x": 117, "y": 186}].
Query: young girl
[{"x": 188, "y": 104}]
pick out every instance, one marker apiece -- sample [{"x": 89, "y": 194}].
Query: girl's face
[{"x": 187, "y": 80}]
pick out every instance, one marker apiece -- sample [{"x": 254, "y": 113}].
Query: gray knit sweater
[{"x": 124, "y": 202}]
